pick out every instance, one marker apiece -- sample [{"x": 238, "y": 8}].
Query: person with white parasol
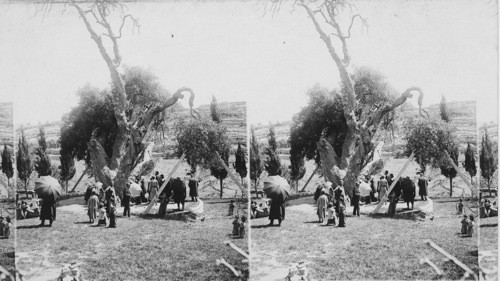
[{"x": 277, "y": 189}]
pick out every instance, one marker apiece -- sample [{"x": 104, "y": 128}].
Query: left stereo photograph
[{"x": 7, "y": 193}]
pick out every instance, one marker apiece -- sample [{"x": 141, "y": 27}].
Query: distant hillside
[
  {"x": 233, "y": 115},
  {"x": 6, "y": 124},
  {"x": 462, "y": 114},
  {"x": 6, "y": 137}
]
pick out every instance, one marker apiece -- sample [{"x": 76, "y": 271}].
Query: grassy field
[
  {"x": 138, "y": 249},
  {"x": 488, "y": 247},
  {"x": 7, "y": 246},
  {"x": 378, "y": 247}
]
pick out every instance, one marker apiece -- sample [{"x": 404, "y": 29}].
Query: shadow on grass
[
  {"x": 185, "y": 217},
  {"x": 316, "y": 221},
  {"x": 30, "y": 226},
  {"x": 489, "y": 225},
  {"x": 82, "y": 222},
  {"x": 264, "y": 226}
]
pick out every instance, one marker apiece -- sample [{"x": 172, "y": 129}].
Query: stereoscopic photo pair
[{"x": 240, "y": 140}]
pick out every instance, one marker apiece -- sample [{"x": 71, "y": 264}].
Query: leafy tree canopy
[
  {"x": 429, "y": 139},
  {"x": 324, "y": 117},
  {"x": 199, "y": 139},
  {"x": 94, "y": 115}
]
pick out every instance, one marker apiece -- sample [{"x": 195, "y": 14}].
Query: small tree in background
[
  {"x": 272, "y": 164},
  {"x": 240, "y": 164},
  {"x": 214, "y": 111},
  {"x": 429, "y": 140},
  {"x": 297, "y": 168},
  {"x": 23, "y": 161},
  {"x": 443, "y": 110},
  {"x": 67, "y": 168},
  {"x": 42, "y": 160},
  {"x": 255, "y": 161},
  {"x": 470, "y": 162},
  {"x": 447, "y": 169},
  {"x": 217, "y": 170},
  {"x": 487, "y": 159},
  {"x": 7, "y": 165},
  {"x": 199, "y": 139}
]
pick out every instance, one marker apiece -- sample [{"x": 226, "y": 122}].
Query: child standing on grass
[
  {"x": 243, "y": 224},
  {"x": 7, "y": 224},
  {"x": 465, "y": 224},
  {"x": 102, "y": 215},
  {"x": 460, "y": 206},
  {"x": 236, "y": 225},
  {"x": 231, "y": 208},
  {"x": 331, "y": 214},
  {"x": 470, "y": 227}
]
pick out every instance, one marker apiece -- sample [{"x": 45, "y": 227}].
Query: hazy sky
[{"x": 232, "y": 50}]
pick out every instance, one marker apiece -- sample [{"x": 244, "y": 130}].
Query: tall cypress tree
[
  {"x": 23, "y": 161},
  {"x": 487, "y": 159},
  {"x": 470, "y": 162},
  {"x": 42, "y": 160},
  {"x": 7, "y": 165},
  {"x": 255, "y": 161},
  {"x": 218, "y": 170},
  {"x": 240, "y": 164},
  {"x": 272, "y": 164},
  {"x": 443, "y": 110}
]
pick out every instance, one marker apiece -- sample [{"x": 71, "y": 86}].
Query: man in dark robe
[
  {"x": 47, "y": 211},
  {"x": 277, "y": 210},
  {"x": 408, "y": 191}
]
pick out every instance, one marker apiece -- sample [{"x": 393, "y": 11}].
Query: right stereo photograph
[{"x": 376, "y": 157}]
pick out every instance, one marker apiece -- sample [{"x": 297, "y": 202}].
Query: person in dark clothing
[
  {"x": 193, "y": 188},
  {"x": 277, "y": 210},
  {"x": 161, "y": 180},
  {"x": 144, "y": 188},
  {"x": 341, "y": 211},
  {"x": 165, "y": 198},
  {"x": 88, "y": 193},
  {"x": 179, "y": 195},
  {"x": 373, "y": 186},
  {"x": 317, "y": 193},
  {"x": 47, "y": 211},
  {"x": 390, "y": 179},
  {"x": 126, "y": 200},
  {"x": 394, "y": 198},
  {"x": 355, "y": 200},
  {"x": 422, "y": 187},
  {"x": 408, "y": 191}
]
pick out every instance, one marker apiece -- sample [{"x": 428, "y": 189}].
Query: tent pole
[
  {"x": 386, "y": 195},
  {"x": 167, "y": 179},
  {"x": 310, "y": 178},
  {"x": 238, "y": 183},
  {"x": 78, "y": 181}
]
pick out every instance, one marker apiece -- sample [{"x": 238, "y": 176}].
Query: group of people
[
  {"x": 101, "y": 204},
  {"x": 239, "y": 222},
  {"x": 331, "y": 203},
  {"x": 5, "y": 225},
  {"x": 468, "y": 225}
]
